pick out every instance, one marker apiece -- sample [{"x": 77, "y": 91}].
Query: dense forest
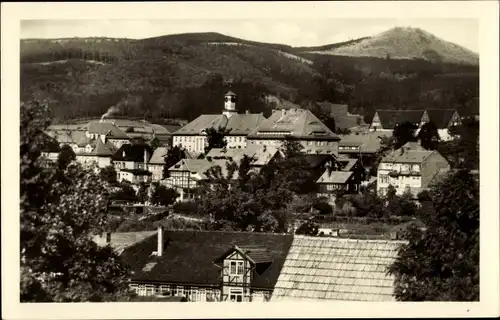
[{"x": 182, "y": 76}]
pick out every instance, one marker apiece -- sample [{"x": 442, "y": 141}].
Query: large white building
[
  {"x": 193, "y": 136},
  {"x": 300, "y": 124},
  {"x": 410, "y": 168}
]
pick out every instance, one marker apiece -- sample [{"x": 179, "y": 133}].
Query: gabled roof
[
  {"x": 237, "y": 124},
  {"x": 159, "y": 156},
  {"x": 337, "y": 269},
  {"x": 254, "y": 254},
  {"x": 262, "y": 154},
  {"x": 188, "y": 256},
  {"x": 348, "y": 163},
  {"x": 339, "y": 112},
  {"x": 112, "y": 131},
  {"x": 411, "y": 152},
  {"x": 201, "y": 166},
  {"x": 390, "y": 118},
  {"x": 336, "y": 177},
  {"x": 441, "y": 117},
  {"x": 298, "y": 123},
  {"x": 368, "y": 142},
  {"x": 121, "y": 240},
  {"x": 104, "y": 149},
  {"x": 132, "y": 152}
]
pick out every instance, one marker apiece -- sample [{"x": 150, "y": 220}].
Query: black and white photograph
[{"x": 192, "y": 153}]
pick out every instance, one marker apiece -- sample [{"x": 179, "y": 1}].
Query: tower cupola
[{"x": 229, "y": 104}]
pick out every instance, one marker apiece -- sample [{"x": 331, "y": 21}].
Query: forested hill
[{"x": 182, "y": 76}]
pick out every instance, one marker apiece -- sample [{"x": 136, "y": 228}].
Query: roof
[
  {"x": 337, "y": 269},
  {"x": 122, "y": 240},
  {"x": 297, "y": 123},
  {"x": 159, "y": 155},
  {"x": 261, "y": 153},
  {"x": 441, "y": 117},
  {"x": 315, "y": 160},
  {"x": 338, "y": 177},
  {"x": 238, "y": 124},
  {"x": 368, "y": 142},
  {"x": 188, "y": 256},
  {"x": 201, "y": 166},
  {"x": 230, "y": 93},
  {"x": 138, "y": 172},
  {"x": 390, "y": 118},
  {"x": 132, "y": 152},
  {"x": 411, "y": 152},
  {"x": 348, "y": 163},
  {"x": 112, "y": 131},
  {"x": 104, "y": 149},
  {"x": 339, "y": 112}
]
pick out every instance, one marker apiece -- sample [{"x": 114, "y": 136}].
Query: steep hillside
[
  {"x": 182, "y": 76},
  {"x": 406, "y": 43}
]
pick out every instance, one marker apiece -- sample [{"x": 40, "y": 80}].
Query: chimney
[
  {"x": 283, "y": 112},
  {"x": 159, "y": 250},
  {"x": 108, "y": 237},
  {"x": 247, "y": 111},
  {"x": 145, "y": 158}
]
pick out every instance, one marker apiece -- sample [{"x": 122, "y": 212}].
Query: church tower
[{"x": 229, "y": 104}]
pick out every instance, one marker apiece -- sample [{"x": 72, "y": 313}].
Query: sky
[{"x": 294, "y": 32}]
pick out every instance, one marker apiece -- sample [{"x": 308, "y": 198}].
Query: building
[
  {"x": 113, "y": 134},
  {"x": 97, "y": 151},
  {"x": 339, "y": 112},
  {"x": 335, "y": 269},
  {"x": 131, "y": 163},
  {"x": 193, "y": 136},
  {"x": 142, "y": 129},
  {"x": 208, "y": 266},
  {"x": 362, "y": 146},
  {"x": 444, "y": 119},
  {"x": 300, "y": 124},
  {"x": 157, "y": 164},
  {"x": 410, "y": 168},
  {"x": 389, "y": 119},
  {"x": 187, "y": 175},
  {"x": 260, "y": 154},
  {"x": 346, "y": 176}
]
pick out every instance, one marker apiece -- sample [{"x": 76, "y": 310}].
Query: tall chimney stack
[
  {"x": 145, "y": 158},
  {"x": 160, "y": 241},
  {"x": 108, "y": 237}
]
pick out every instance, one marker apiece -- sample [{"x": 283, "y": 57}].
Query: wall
[
  {"x": 236, "y": 278},
  {"x": 194, "y": 144},
  {"x": 431, "y": 167},
  {"x": 239, "y": 142},
  {"x": 157, "y": 171},
  {"x": 192, "y": 293},
  {"x": 409, "y": 177}
]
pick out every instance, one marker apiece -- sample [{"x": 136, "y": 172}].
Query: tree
[
  {"x": 441, "y": 262},
  {"x": 60, "y": 208},
  {"x": 174, "y": 155},
  {"x": 216, "y": 138},
  {"x": 66, "y": 156},
  {"x": 108, "y": 174},
  {"x": 308, "y": 227},
  {"x": 429, "y": 136},
  {"x": 142, "y": 193},
  {"x": 404, "y": 133},
  {"x": 124, "y": 191},
  {"x": 155, "y": 143},
  {"x": 162, "y": 195},
  {"x": 464, "y": 148}
]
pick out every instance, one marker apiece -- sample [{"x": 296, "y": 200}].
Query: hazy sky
[{"x": 294, "y": 32}]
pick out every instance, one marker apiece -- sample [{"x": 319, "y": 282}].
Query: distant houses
[{"x": 444, "y": 119}]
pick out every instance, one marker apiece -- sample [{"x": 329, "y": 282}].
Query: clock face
[
  {"x": 233, "y": 99},
  {"x": 227, "y": 99}
]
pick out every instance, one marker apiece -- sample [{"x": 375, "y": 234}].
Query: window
[
  {"x": 240, "y": 267},
  {"x": 236, "y": 295},
  {"x": 233, "y": 267},
  {"x": 384, "y": 178},
  {"x": 236, "y": 268}
]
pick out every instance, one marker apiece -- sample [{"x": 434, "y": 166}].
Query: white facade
[
  {"x": 88, "y": 160},
  {"x": 196, "y": 143},
  {"x": 309, "y": 146},
  {"x": 408, "y": 176}
]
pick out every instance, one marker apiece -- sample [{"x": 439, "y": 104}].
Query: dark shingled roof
[
  {"x": 315, "y": 160},
  {"x": 189, "y": 256},
  {"x": 390, "y": 118},
  {"x": 441, "y": 117}
]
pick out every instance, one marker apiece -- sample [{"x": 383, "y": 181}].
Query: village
[{"x": 327, "y": 250}]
